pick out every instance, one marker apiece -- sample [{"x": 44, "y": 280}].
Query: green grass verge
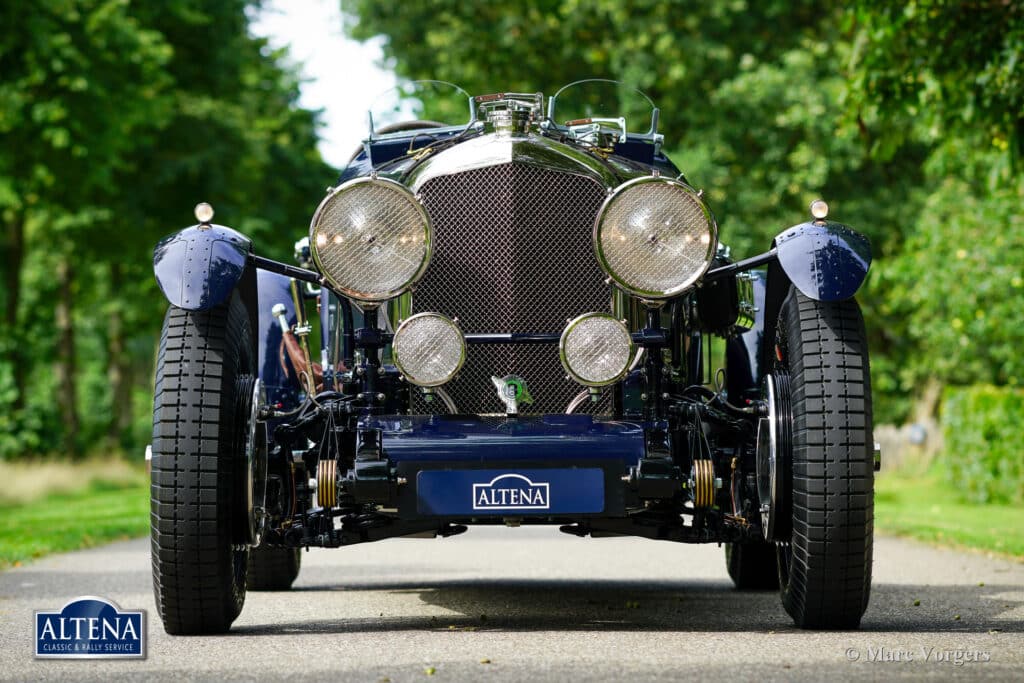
[
  {"x": 927, "y": 508},
  {"x": 99, "y": 513}
]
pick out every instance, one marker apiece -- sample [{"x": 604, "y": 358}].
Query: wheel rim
[
  {"x": 252, "y": 444},
  {"x": 774, "y": 457}
]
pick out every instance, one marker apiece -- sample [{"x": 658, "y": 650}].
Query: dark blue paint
[
  {"x": 510, "y": 492},
  {"x": 357, "y": 168},
  {"x": 199, "y": 267},
  {"x": 641, "y": 151},
  {"x": 480, "y": 439},
  {"x": 826, "y": 261},
  {"x": 385, "y": 150},
  {"x": 743, "y": 351},
  {"x": 276, "y": 372}
]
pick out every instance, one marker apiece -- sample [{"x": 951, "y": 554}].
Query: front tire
[
  {"x": 204, "y": 383},
  {"x": 752, "y": 566},
  {"x": 825, "y": 567},
  {"x": 273, "y": 569}
]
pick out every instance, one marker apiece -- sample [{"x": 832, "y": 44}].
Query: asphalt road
[{"x": 531, "y": 604}]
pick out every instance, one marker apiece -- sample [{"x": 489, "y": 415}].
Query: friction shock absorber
[
  {"x": 702, "y": 483},
  {"x": 327, "y": 483}
]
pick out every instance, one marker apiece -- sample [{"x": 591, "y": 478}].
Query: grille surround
[{"x": 513, "y": 252}]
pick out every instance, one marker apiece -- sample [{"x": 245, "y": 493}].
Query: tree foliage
[
  {"x": 907, "y": 117},
  {"x": 116, "y": 118},
  {"x": 948, "y": 71},
  {"x": 981, "y": 425},
  {"x": 948, "y": 77}
]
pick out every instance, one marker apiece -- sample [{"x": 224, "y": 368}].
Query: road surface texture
[{"x": 531, "y": 604}]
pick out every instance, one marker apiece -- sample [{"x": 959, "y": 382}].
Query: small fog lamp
[
  {"x": 596, "y": 349},
  {"x": 429, "y": 349}
]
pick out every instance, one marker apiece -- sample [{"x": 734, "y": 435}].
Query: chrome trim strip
[{"x": 495, "y": 148}]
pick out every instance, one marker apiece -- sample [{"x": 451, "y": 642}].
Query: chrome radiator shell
[{"x": 513, "y": 253}]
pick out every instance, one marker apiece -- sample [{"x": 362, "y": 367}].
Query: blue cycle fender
[
  {"x": 200, "y": 266},
  {"x": 826, "y": 261}
]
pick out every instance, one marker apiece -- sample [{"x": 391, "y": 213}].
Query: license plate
[{"x": 511, "y": 492}]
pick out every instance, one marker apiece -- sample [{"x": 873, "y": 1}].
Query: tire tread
[
  {"x": 273, "y": 569},
  {"x": 833, "y": 477},
  {"x": 193, "y": 481}
]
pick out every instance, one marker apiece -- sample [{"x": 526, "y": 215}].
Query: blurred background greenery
[{"x": 117, "y": 116}]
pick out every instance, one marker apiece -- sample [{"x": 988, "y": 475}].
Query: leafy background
[{"x": 115, "y": 116}]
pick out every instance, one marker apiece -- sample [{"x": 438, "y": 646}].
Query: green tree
[
  {"x": 753, "y": 101},
  {"x": 116, "y": 118},
  {"x": 947, "y": 71},
  {"x": 755, "y": 98},
  {"x": 65, "y": 128},
  {"x": 948, "y": 77},
  {"x": 237, "y": 139}
]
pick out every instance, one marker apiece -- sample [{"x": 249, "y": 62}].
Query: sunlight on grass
[
  {"x": 31, "y": 480},
  {"x": 91, "y": 507},
  {"x": 926, "y": 508}
]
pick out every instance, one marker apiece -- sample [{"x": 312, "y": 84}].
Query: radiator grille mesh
[{"x": 513, "y": 253}]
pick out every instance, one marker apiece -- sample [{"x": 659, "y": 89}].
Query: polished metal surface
[
  {"x": 508, "y": 121},
  {"x": 428, "y": 349},
  {"x": 510, "y": 112},
  {"x": 746, "y": 319},
  {"x": 371, "y": 239},
  {"x": 774, "y": 459},
  {"x": 512, "y": 254},
  {"x": 655, "y": 237},
  {"x": 255, "y": 457},
  {"x": 537, "y": 151}
]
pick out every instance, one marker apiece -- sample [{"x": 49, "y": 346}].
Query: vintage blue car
[{"x": 516, "y": 319}]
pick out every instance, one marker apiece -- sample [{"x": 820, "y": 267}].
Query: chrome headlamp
[
  {"x": 429, "y": 349},
  {"x": 596, "y": 349},
  {"x": 371, "y": 238},
  {"x": 655, "y": 237}
]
